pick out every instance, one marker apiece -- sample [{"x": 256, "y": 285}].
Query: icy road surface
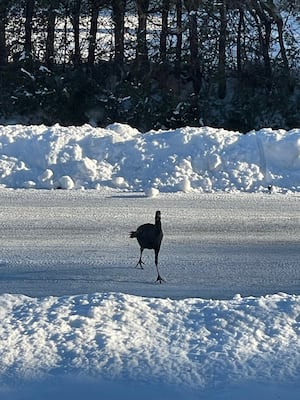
[{"x": 214, "y": 246}]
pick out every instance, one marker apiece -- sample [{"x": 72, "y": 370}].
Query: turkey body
[{"x": 149, "y": 236}]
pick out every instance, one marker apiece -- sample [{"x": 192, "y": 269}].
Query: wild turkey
[{"x": 149, "y": 236}]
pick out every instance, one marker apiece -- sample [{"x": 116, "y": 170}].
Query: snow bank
[
  {"x": 194, "y": 344},
  {"x": 186, "y": 159}
]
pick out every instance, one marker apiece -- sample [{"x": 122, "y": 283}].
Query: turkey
[{"x": 149, "y": 236}]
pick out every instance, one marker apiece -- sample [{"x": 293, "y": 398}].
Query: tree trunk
[
  {"x": 264, "y": 26},
  {"x": 118, "y": 7},
  {"x": 222, "y": 51},
  {"x": 179, "y": 31},
  {"x": 239, "y": 50},
  {"x": 192, "y": 7},
  {"x": 49, "y": 58},
  {"x": 164, "y": 30},
  {"x": 141, "y": 48},
  {"x": 279, "y": 23},
  {"x": 193, "y": 37},
  {"x": 95, "y": 6},
  {"x": 29, "y": 8},
  {"x": 75, "y": 19}
]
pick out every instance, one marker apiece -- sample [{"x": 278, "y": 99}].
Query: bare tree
[
  {"x": 222, "y": 50},
  {"x": 164, "y": 29},
  {"x": 178, "y": 30},
  {"x": 264, "y": 28},
  {"x": 75, "y": 20},
  {"x": 192, "y": 7},
  {"x": 141, "y": 47},
  {"x": 274, "y": 12},
  {"x": 239, "y": 47},
  {"x": 118, "y": 7},
  {"x": 29, "y": 9},
  {"x": 50, "y": 47},
  {"x": 94, "y": 11}
]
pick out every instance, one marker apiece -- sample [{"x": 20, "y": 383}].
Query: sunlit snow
[
  {"x": 187, "y": 159},
  {"x": 197, "y": 346}
]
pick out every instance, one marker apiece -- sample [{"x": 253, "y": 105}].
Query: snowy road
[{"x": 214, "y": 246}]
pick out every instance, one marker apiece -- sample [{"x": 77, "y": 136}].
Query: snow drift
[
  {"x": 193, "y": 344},
  {"x": 200, "y": 159}
]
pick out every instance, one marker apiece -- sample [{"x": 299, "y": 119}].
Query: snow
[
  {"x": 67, "y": 242},
  {"x": 188, "y": 159},
  {"x": 77, "y": 320},
  {"x": 199, "y": 346},
  {"x": 193, "y": 343}
]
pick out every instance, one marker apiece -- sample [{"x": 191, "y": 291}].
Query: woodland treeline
[{"x": 151, "y": 63}]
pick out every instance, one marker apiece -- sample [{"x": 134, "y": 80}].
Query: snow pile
[
  {"x": 200, "y": 159},
  {"x": 197, "y": 345}
]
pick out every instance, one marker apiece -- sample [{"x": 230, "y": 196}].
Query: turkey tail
[{"x": 132, "y": 234}]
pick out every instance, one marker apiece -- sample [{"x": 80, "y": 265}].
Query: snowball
[
  {"x": 46, "y": 175},
  {"x": 65, "y": 182},
  {"x": 237, "y": 297},
  {"x": 120, "y": 182},
  {"x": 29, "y": 185}
]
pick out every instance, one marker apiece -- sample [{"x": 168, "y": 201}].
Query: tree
[
  {"x": 239, "y": 48},
  {"x": 50, "y": 48},
  {"x": 94, "y": 11},
  {"x": 254, "y": 42},
  {"x": 75, "y": 20},
  {"x": 264, "y": 27},
  {"x": 271, "y": 8},
  {"x": 3, "y": 20},
  {"x": 192, "y": 7},
  {"x": 141, "y": 47},
  {"x": 118, "y": 7},
  {"x": 29, "y": 9},
  {"x": 178, "y": 31},
  {"x": 222, "y": 50},
  {"x": 164, "y": 29}
]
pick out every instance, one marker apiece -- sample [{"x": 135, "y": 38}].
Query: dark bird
[{"x": 149, "y": 236}]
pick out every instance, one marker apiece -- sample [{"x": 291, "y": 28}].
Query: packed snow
[
  {"x": 68, "y": 242},
  {"x": 224, "y": 325},
  {"x": 188, "y": 159}
]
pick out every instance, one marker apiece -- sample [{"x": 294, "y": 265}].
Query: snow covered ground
[
  {"x": 153, "y": 348},
  {"x": 215, "y": 245},
  {"x": 77, "y": 320},
  {"x": 197, "y": 335}
]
